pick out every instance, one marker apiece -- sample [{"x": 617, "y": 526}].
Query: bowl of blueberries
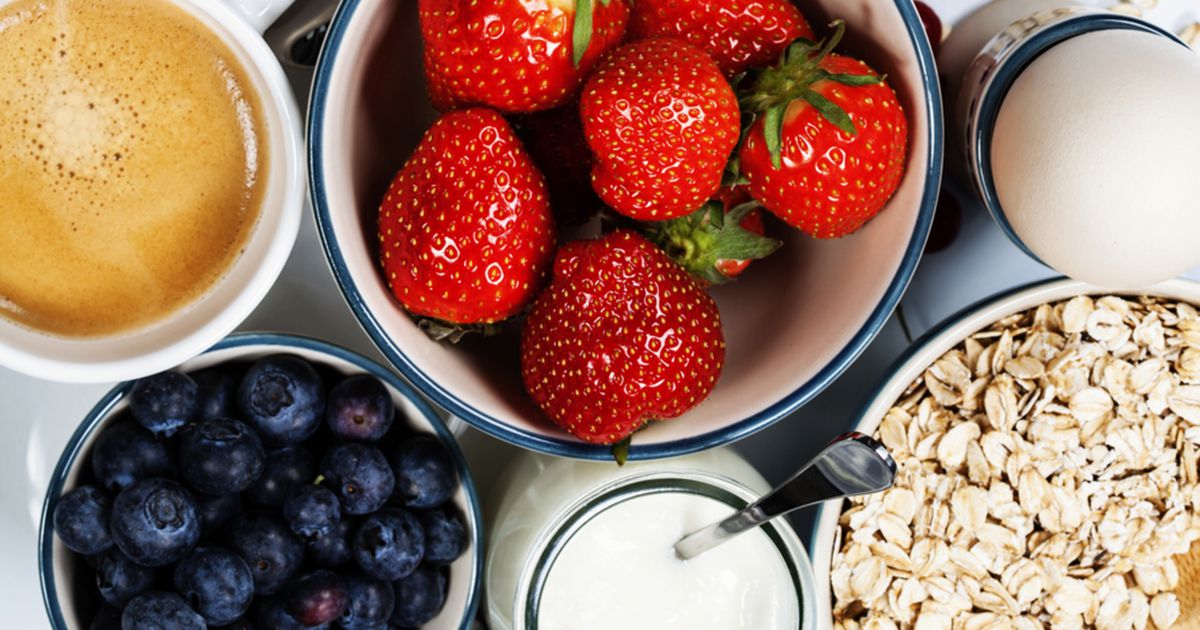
[{"x": 274, "y": 482}]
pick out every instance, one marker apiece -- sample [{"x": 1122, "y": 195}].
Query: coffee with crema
[{"x": 132, "y": 163}]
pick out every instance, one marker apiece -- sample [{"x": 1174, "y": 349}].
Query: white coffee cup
[{"x": 186, "y": 333}]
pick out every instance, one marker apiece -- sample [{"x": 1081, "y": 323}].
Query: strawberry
[
  {"x": 737, "y": 34},
  {"x": 515, "y": 55},
  {"x": 717, "y": 242},
  {"x": 933, "y": 25},
  {"x": 827, "y": 148},
  {"x": 662, "y": 122},
  {"x": 554, "y": 139},
  {"x": 947, "y": 223},
  {"x": 621, "y": 336},
  {"x": 465, "y": 231}
]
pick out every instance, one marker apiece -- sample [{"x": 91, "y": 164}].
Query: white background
[{"x": 38, "y": 416}]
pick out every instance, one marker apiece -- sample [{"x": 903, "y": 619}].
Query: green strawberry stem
[
  {"x": 799, "y": 68},
  {"x": 620, "y": 450},
  {"x": 439, "y": 330},
  {"x": 732, "y": 175},
  {"x": 697, "y": 241}
]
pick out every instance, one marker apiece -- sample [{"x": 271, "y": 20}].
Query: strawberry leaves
[
  {"x": 438, "y": 330},
  {"x": 734, "y": 242},
  {"x": 834, "y": 114},
  {"x": 773, "y": 133},
  {"x": 852, "y": 79},
  {"x": 772, "y": 90},
  {"x": 699, "y": 240},
  {"x": 581, "y": 29}
]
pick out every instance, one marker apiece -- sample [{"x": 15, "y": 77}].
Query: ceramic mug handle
[
  {"x": 297, "y": 35},
  {"x": 285, "y": 22},
  {"x": 260, "y": 14}
]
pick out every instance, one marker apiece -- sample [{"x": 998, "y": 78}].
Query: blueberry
[
  {"x": 155, "y": 522},
  {"x": 317, "y": 598},
  {"x": 125, "y": 453},
  {"x": 371, "y": 603},
  {"x": 282, "y": 397},
  {"x": 239, "y": 624},
  {"x": 286, "y": 469},
  {"x": 360, "y": 476},
  {"x": 81, "y": 520},
  {"x": 157, "y": 610},
  {"x": 119, "y": 579},
  {"x": 419, "y": 597},
  {"x": 216, "y": 511},
  {"x": 359, "y": 408},
  {"x": 216, "y": 391},
  {"x": 270, "y": 613},
  {"x": 164, "y": 402},
  {"x": 312, "y": 511},
  {"x": 271, "y": 551},
  {"x": 216, "y": 582},
  {"x": 220, "y": 456},
  {"x": 389, "y": 544},
  {"x": 425, "y": 473},
  {"x": 333, "y": 549},
  {"x": 108, "y": 618},
  {"x": 445, "y": 534}
]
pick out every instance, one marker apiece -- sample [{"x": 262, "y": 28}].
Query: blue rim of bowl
[
  {"x": 915, "y": 348},
  {"x": 101, "y": 411},
  {"x": 1006, "y": 75},
  {"x": 566, "y": 446}
]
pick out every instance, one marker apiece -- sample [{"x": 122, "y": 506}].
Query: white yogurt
[
  {"x": 619, "y": 571},
  {"x": 615, "y": 567}
]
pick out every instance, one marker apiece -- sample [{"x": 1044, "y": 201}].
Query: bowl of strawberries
[{"x": 598, "y": 227}]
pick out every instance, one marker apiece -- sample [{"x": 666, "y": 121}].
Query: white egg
[{"x": 1096, "y": 158}]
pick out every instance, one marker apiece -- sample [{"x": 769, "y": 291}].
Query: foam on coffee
[{"x": 132, "y": 163}]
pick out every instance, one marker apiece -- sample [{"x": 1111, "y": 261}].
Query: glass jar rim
[{"x": 557, "y": 535}]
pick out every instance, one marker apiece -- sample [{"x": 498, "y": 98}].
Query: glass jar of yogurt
[{"x": 587, "y": 545}]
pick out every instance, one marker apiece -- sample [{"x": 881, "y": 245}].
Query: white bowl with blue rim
[
  {"x": 912, "y": 364},
  {"x": 62, "y": 570},
  {"x": 793, "y": 323}
]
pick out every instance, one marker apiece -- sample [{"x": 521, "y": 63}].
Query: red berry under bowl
[{"x": 793, "y": 323}]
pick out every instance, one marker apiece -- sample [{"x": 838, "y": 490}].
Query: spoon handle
[{"x": 852, "y": 465}]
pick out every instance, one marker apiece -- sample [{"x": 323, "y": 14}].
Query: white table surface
[{"x": 39, "y": 416}]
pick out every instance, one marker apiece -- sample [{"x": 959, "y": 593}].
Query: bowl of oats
[{"x": 1047, "y": 442}]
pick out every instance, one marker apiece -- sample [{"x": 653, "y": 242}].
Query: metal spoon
[{"x": 853, "y": 464}]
